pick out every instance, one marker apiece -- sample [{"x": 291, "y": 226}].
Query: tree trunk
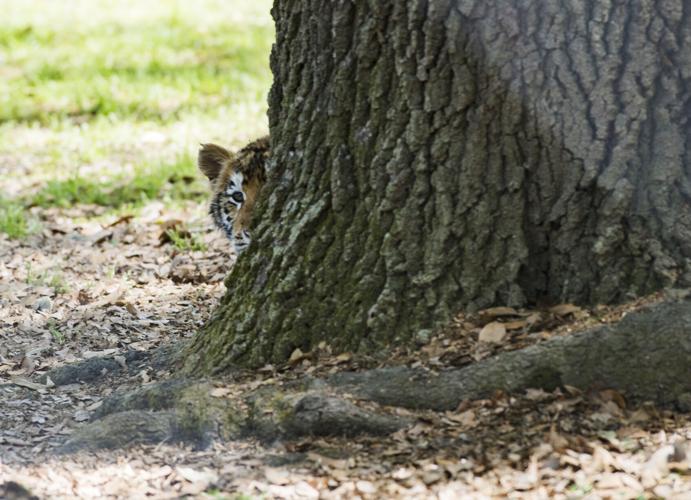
[{"x": 435, "y": 156}]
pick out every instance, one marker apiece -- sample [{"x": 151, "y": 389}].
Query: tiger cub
[{"x": 236, "y": 179}]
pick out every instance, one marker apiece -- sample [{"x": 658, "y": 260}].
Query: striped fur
[{"x": 235, "y": 183}]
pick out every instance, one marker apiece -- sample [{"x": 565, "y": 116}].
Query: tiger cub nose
[{"x": 238, "y": 196}]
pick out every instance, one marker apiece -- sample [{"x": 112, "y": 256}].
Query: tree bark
[{"x": 434, "y": 156}]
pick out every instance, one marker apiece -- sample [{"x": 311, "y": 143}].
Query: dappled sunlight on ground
[
  {"x": 79, "y": 290},
  {"x": 107, "y": 252}
]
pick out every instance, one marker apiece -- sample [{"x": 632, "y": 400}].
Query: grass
[
  {"x": 185, "y": 241},
  {"x": 149, "y": 182},
  {"x": 54, "y": 280},
  {"x": 106, "y": 102},
  {"x": 13, "y": 219},
  {"x": 57, "y": 335},
  {"x": 164, "y": 63}
]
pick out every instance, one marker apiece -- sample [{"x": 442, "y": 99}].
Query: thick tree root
[
  {"x": 93, "y": 369},
  {"x": 121, "y": 430},
  {"x": 647, "y": 356}
]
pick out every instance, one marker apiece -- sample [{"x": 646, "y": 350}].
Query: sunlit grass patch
[
  {"x": 185, "y": 241},
  {"x": 162, "y": 182},
  {"x": 95, "y": 95},
  {"x": 156, "y": 66},
  {"x": 13, "y": 219}
]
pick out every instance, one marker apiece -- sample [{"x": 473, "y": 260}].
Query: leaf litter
[{"x": 83, "y": 290}]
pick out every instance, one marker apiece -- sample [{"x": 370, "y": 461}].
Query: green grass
[
  {"x": 149, "y": 182},
  {"x": 156, "y": 68},
  {"x": 185, "y": 241},
  {"x": 57, "y": 335},
  {"x": 53, "y": 279},
  {"x": 106, "y": 102},
  {"x": 13, "y": 219}
]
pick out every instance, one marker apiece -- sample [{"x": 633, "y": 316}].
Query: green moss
[{"x": 281, "y": 407}]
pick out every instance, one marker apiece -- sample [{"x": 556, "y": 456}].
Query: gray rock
[
  {"x": 44, "y": 304},
  {"x": 422, "y": 337}
]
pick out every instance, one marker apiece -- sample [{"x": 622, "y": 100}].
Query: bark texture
[
  {"x": 628, "y": 356},
  {"x": 647, "y": 356},
  {"x": 433, "y": 156}
]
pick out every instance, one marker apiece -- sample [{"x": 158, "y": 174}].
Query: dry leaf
[
  {"x": 610, "y": 481},
  {"x": 277, "y": 476},
  {"x": 28, "y": 365},
  {"x": 344, "y": 357},
  {"x": 296, "y": 357},
  {"x": 328, "y": 462},
  {"x": 557, "y": 441},
  {"x": 365, "y": 487},
  {"x": 496, "y": 312},
  {"x": 98, "y": 354},
  {"x": 120, "y": 220},
  {"x": 492, "y": 333},
  {"x": 657, "y": 466},
  {"x": 467, "y": 419},
  {"x": 614, "y": 396},
  {"x": 219, "y": 392},
  {"x": 564, "y": 309},
  {"x": 22, "y": 382},
  {"x": 515, "y": 325},
  {"x": 100, "y": 237},
  {"x": 304, "y": 490},
  {"x": 81, "y": 416}
]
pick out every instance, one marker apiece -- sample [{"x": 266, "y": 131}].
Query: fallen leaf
[
  {"x": 656, "y": 467},
  {"x": 98, "y": 354},
  {"x": 492, "y": 333},
  {"x": 467, "y": 419},
  {"x": 296, "y": 356},
  {"x": 120, "y": 220},
  {"x": 497, "y": 312},
  {"x": 344, "y": 357},
  {"x": 81, "y": 416},
  {"x": 28, "y": 365},
  {"x": 219, "y": 392},
  {"x": 100, "y": 237},
  {"x": 610, "y": 481},
  {"x": 196, "y": 476},
  {"x": 614, "y": 396},
  {"x": 365, "y": 487},
  {"x": 305, "y": 490},
  {"x": 557, "y": 441},
  {"x": 22, "y": 382},
  {"x": 277, "y": 476},
  {"x": 515, "y": 325},
  {"x": 564, "y": 309}
]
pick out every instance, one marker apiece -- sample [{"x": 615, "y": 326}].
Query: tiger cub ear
[{"x": 211, "y": 159}]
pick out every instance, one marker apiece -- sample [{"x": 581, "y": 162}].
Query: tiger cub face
[{"x": 236, "y": 179}]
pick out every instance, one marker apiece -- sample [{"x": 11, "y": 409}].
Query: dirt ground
[{"x": 82, "y": 289}]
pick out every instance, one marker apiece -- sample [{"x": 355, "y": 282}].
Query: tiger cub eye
[{"x": 235, "y": 178}]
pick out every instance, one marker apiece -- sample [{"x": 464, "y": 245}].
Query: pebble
[
  {"x": 423, "y": 337},
  {"x": 44, "y": 304}
]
